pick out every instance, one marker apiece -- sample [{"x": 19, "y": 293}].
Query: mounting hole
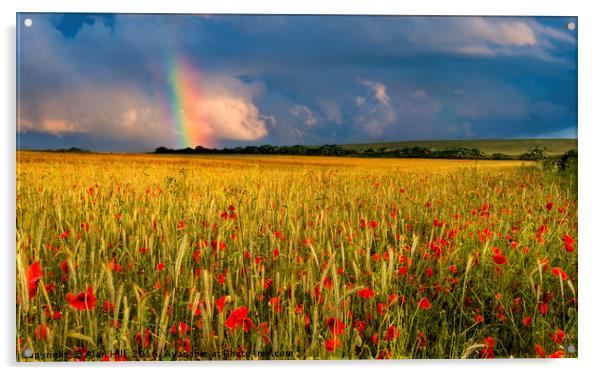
[
  {"x": 28, "y": 22},
  {"x": 571, "y": 25}
]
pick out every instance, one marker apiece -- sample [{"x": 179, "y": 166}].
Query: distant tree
[{"x": 535, "y": 154}]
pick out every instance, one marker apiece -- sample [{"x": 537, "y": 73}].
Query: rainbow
[{"x": 184, "y": 96}]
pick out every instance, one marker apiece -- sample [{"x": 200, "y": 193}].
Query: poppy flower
[
  {"x": 487, "y": 351},
  {"x": 308, "y": 241},
  {"x": 479, "y": 319},
  {"x": 540, "y": 352},
  {"x": 220, "y": 303},
  {"x": 366, "y": 293},
  {"x": 160, "y": 267},
  {"x": 424, "y": 303},
  {"x": 83, "y": 300},
  {"x": 360, "y": 325},
  {"x": 568, "y": 243},
  {"x": 65, "y": 267},
  {"x": 331, "y": 344},
  {"x": 527, "y": 321},
  {"x": 117, "y": 358},
  {"x": 238, "y": 318},
  {"x": 557, "y": 354},
  {"x": 182, "y": 345},
  {"x": 558, "y": 336},
  {"x": 498, "y": 258},
  {"x": 143, "y": 338},
  {"x": 336, "y": 326},
  {"x": 41, "y": 332},
  {"x": 558, "y": 272},
  {"x": 33, "y": 275},
  {"x": 543, "y": 308},
  {"x": 392, "y": 333}
]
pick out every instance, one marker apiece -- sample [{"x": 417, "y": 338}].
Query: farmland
[
  {"x": 511, "y": 147},
  {"x": 142, "y": 257}
]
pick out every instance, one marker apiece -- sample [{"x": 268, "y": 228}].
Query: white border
[{"x": 590, "y": 210}]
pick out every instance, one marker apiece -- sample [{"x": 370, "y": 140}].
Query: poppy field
[{"x": 145, "y": 257}]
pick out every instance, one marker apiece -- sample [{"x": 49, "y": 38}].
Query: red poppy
[
  {"x": 527, "y": 321},
  {"x": 143, "y": 338},
  {"x": 366, "y": 293},
  {"x": 331, "y": 344},
  {"x": 220, "y": 303},
  {"x": 308, "y": 241},
  {"x": 557, "y": 354},
  {"x": 83, "y": 300},
  {"x": 238, "y": 318},
  {"x": 558, "y": 272},
  {"x": 568, "y": 243},
  {"x": 33, "y": 275},
  {"x": 181, "y": 329},
  {"x": 336, "y": 326},
  {"x": 543, "y": 308},
  {"x": 65, "y": 267},
  {"x": 479, "y": 319},
  {"x": 487, "y": 351},
  {"x": 558, "y": 336},
  {"x": 540, "y": 352},
  {"x": 117, "y": 358},
  {"x": 424, "y": 303},
  {"x": 160, "y": 267},
  {"x": 392, "y": 333},
  {"x": 41, "y": 332},
  {"x": 114, "y": 266},
  {"x": 428, "y": 272},
  {"x": 182, "y": 345},
  {"x": 360, "y": 325},
  {"x": 498, "y": 258}
]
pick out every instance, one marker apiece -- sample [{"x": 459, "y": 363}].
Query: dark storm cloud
[{"x": 101, "y": 81}]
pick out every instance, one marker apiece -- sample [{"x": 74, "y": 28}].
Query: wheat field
[{"x": 144, "y": 257}]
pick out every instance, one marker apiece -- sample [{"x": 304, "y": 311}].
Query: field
[
  {"x": 511, "y": 147},
  {"x": 140, "y": 257}
]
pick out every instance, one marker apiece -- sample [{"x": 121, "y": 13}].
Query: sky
[{"x": 126, "y": 82}]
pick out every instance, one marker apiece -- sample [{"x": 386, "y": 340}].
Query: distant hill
[{"x": 511, "y": 147}]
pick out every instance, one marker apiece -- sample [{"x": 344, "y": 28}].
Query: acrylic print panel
[{"x": 242, "y": 187}]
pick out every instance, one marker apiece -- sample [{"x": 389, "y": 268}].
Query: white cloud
[
  {"x": 374, "y": 119},
  {"x": 302, "y": 111},
  {"x": 511, "y": 32},
  {"x": 418, "y": 94},
  {"x": 360, "y": 100},
  {"x": 380, "y": 92}
]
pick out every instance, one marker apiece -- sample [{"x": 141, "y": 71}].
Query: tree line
[{"x": 337, "y": 150}]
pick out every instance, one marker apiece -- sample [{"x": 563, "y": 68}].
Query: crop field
[
  {"x": 512, "y": 147},
  {"x": 144, "y": 257}
]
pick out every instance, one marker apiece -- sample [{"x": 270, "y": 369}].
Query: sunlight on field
[{"x": 314, "y": 257}]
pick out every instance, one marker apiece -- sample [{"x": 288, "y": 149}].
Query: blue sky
[{"x": 106, "y": 82}]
